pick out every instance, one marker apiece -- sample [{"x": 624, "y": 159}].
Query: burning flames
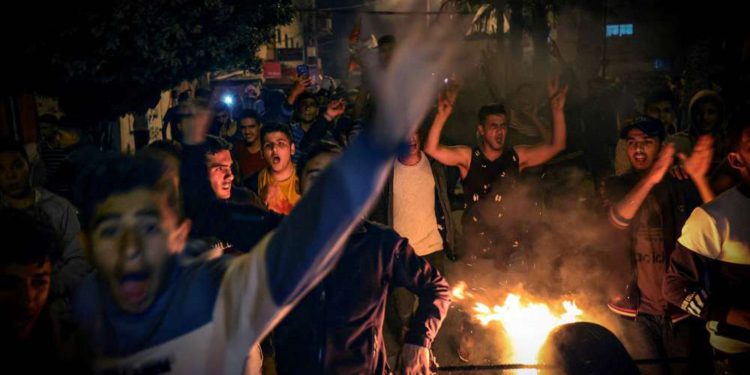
[
  {"x": 525, "y": 323},
  {"x": 459, "y": 291}
]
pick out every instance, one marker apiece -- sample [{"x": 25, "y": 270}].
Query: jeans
[{"x": 656, "y": 337}]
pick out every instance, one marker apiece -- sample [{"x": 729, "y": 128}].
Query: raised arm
[
  {"x": 261, "y": 287},
  {"x": 621, "y": 213},
  {"x": 453, "y": 156},
  {"x": 697, "y": 165},
  {"x": 531, "y": 156}
]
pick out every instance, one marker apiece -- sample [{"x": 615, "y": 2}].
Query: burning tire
[{"x": 586, "y": 348}]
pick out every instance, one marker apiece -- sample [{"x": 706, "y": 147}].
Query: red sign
[{"x": 272, "y": 69}]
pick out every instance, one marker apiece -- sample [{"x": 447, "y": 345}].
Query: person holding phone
[{"x": 302, "y": 113}]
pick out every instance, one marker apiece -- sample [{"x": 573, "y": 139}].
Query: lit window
[
  {"x": 613, "y": 30},
  {"x": 619, "y": 30}
]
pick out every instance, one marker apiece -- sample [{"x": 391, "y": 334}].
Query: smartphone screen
[{"x": 303, "y": 70}]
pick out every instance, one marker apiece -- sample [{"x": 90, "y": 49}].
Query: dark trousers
[
  {"x": 402, "y": 303},
  {"x": 656, "y": 337}
]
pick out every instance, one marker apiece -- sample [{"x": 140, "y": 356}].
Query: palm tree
[{"x": 512, "y": 24}]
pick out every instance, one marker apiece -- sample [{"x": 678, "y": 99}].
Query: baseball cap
[{"x": 650, "y": 126}]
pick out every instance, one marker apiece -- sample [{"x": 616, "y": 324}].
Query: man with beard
[
  {"x": 650, "y": 206},
  {"x": 489, "y": 174},
  {"x": 490, "y": 170},
  {"x": 222, "y": 214}
]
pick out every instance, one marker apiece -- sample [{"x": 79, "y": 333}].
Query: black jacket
[
  {"x": 337, "y": 328},
  {"x": 240, "y": 221}
]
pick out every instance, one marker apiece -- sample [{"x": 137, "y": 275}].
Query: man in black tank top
[
  {"x": 489, "y": 174},
  {"x": 490, "y": 171}
]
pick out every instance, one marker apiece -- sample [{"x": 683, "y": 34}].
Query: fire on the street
[{"x": 526, "y": 324}]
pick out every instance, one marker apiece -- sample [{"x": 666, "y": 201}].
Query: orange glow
[
  {"x": 526, "y": 324},
  {"x": 459, "y": 291}
]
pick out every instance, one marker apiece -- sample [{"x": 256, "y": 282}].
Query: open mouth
[
  {"x": 640, "y": 158},
  {"x": 134, "y": 287},
  {"x": 276, "y": 160}
]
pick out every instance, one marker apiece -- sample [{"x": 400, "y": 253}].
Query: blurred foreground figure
[{"x": 146, "y": 311}]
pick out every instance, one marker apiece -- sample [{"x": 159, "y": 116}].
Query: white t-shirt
[
  {"x": 414, "y": 206},
  {"x": 720, "y": 229}
]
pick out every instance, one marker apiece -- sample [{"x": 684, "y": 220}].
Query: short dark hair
[
  {"x": 30, "y": 237},
  {"x": 491, "y": 109},
  {"x": 10, "y": 145},
  {"x": 304, "y": 96},
  {"x": 249, "y": 113},
  {"x": 273, "y": 127},
  {"x": 216, "y": 144},
  {"x": 114, "y": 174},
  {"x": 322, "y": 147},
  {"x": 739, "y": 123}
]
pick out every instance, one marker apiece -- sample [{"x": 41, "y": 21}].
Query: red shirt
[{"x": 249, "y": 163}]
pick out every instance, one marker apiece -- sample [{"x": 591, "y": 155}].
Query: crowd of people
[{"x": 293, "y": 240}]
